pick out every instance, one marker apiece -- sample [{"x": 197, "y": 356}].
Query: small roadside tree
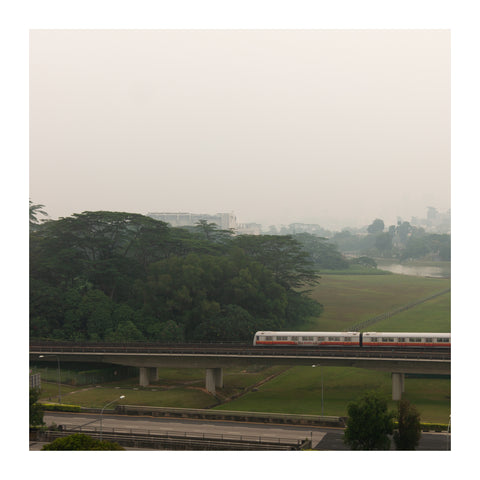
[
  {"x": 369, "y": 423},
  {"x": 36, "y": 411},
  {"x": 409, "y": 432}
]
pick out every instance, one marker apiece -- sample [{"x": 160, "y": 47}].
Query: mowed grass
[
  {"x": 349, "y": 299},
  {"x": 431, "y": 316},
  {"x": 299, "y": 391},
  {"x": 99, "y": 396},
  {"x": 178, "y": 388}
]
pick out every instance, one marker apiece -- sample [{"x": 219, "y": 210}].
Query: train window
[
  {"x": 415, "y": 339},
  {"x": 308, "y": 338},
  {"x": 386, "y": 339},
  {"x": 401, "y": 339},
  {"x": 429, "y": 340},
  {"x": 268, "y": 338},
  {"x": 282, "y": 338},
  {"x": 374, "y": 339},
  {"x": 443, "y": 340}
]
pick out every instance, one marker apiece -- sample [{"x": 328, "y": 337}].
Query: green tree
[
  {"x": 383, "y": 242},
  {"x": 369, "y": 423},
  {"x": 322, "y": 253},
  {"x": 80, "y": 441},
  {"x": 36, "y": 412},
  {"x": 403, "y": 230},
  {"x": 34, "y": 211},
  {"x": 212, "y": 233},
  {"x": 408, "y": 434},
  {"x": 282, "y": 255},
  {"x": 376, "y": 226}
]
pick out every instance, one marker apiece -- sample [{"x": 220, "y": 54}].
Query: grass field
[
  {"x": 299, "y": 390},
  {"x": 347, "y": 299}
]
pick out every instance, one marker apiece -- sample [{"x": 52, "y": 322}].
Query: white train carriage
[
  {"x": 307, "y": 338},
  {"x": 405, "y": 339}
]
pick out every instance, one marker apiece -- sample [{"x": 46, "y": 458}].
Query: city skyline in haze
[{"x": 331, "y": 127}]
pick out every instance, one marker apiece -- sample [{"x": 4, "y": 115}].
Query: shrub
[{"x": 80, "y": 441}]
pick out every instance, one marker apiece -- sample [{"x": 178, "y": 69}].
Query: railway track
[{"x": 241, "y": 349}]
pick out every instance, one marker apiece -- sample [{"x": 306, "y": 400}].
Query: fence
[
  {"x": 164, "y": 440},
  {"x": 80, "y": 376}
]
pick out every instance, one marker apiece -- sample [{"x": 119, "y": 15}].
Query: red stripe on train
[
  {"x": 279, "y": 342},
  {"x": 402, "y": 344}
]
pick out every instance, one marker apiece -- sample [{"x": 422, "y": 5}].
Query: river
[{"x": 417, "y": 270}]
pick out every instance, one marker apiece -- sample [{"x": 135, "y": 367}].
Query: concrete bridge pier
[
  {"x": 398, "y": 385},
  {"x": 147, "y": 375},
  {"x": 213, "y": 378}
]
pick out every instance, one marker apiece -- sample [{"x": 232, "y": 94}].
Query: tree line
[
  {"x": 116, "y": 276},
  {"x": 402, "y": 242}
]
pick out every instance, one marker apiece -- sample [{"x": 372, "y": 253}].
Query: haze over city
[{"x": 333, "y": 127}]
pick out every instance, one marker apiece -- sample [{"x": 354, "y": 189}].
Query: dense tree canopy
[
  {"x": 402, "y": 242},
  {"x": 114, "y": 276},
  {"x": 321, "y": 252}
]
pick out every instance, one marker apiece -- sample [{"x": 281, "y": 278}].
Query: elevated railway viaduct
[{"x": 214, "y": 357}]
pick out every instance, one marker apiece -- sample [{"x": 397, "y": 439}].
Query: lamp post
[
  {"x": 58, "y": 364},
  {"x": 101, "y": 414},
  {"x": 449, "y": 432},
  {"x": 321, "y": 379}
]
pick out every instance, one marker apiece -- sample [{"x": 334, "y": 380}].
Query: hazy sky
[{"x": 335, "y": 127}]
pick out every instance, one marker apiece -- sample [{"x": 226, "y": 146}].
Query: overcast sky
[{"x": 334, "y": 127}]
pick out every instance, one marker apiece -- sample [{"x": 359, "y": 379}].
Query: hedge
[{"x": 60, "y": 407}]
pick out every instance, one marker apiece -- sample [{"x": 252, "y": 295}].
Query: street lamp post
[
  {"x": 58, "y": 372},
  {"x": 449, "y": 432},
  {"x": 321, "y": 379},
  {"x": 101, "y": 414}
]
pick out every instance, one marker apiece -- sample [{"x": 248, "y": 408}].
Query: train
[{"x": 353, "y": 339}]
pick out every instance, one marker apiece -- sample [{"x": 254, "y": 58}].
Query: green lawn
[
  {"x": 349, "y": 299},
  {"x": 431, "y": 316},
  {"x": 299, "y": 390}
]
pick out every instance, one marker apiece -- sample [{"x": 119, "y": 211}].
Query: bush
[
  {"x": 55, "y": 407},
  {"x": 369, "y": 423},
  {"x": 80, "y": 441}
]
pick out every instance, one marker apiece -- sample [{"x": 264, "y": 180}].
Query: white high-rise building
[{"x": 225, "y": 221}]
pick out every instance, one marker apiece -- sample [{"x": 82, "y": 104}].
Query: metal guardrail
[
  {"x": 179, "y": 440},
  {"x": 231, "y": 415}
]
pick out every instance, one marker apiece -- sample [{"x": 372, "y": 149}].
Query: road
[{"x": 323, "y": 438}]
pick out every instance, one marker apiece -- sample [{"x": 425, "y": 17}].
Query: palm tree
[{"x": 35, "y": 210}]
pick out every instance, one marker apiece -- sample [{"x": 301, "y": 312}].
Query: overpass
[{"x": 213, "y": 358}]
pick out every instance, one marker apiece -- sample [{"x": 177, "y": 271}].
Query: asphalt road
[{"x": 322, "y": 438}]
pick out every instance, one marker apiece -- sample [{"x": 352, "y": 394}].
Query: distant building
[
  {"x": 249, "y": 229},
  {"x": 225, "y": 221}
]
